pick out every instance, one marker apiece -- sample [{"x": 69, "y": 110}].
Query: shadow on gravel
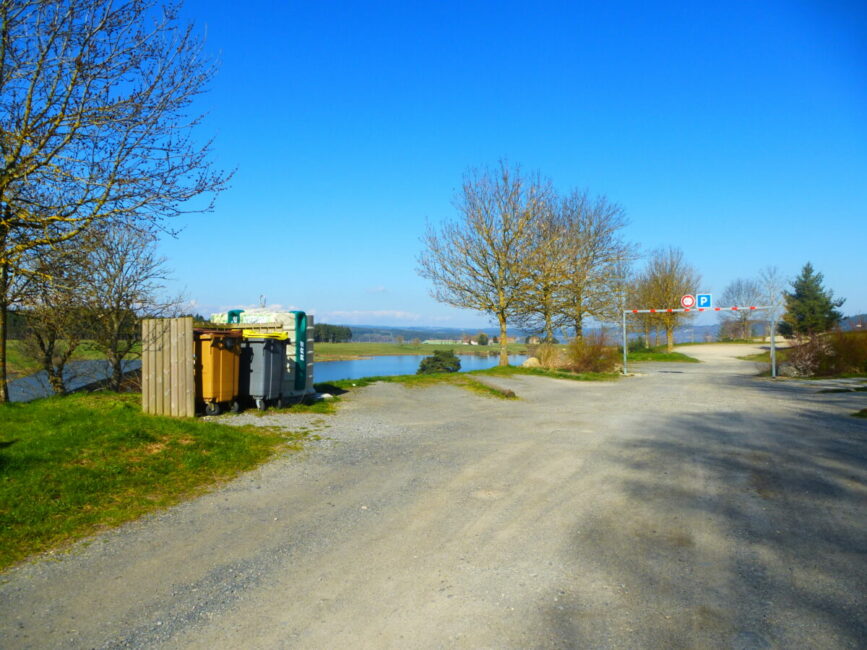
[{"x": 736, "y": 530}]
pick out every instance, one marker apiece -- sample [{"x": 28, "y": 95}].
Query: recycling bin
[
  {"x": 263, "y": 365},
  {"x": 218, "y": 354}
]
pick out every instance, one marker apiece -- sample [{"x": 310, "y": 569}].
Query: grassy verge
[
  {"x": 765, "y": 356},
  {"x": 461, "y": 379},
  {"x": 860, "y": 414},
  {"x": 347, "y": 351},
  {"x": 71, "y": 466},
  {"x": 477, "y": 381},
  {"x": 543, "y": 372},
  {"x": 660, "y": 354}
]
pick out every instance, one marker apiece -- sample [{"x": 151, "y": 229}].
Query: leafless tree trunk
[
  {"x": 94, "y": 123},
  {"x": 124, "y": 283},
  {"x": 597, "y": 257},
  {"x": 52, "y": 305},
  {"x": 668, "y": 277},
  {"x": 741, "y": 293},
  {"x": 538, "y": 306},
  {"x": 480, "y": 260}
]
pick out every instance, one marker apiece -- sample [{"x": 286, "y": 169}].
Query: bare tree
[
  {"x": 596, "y": 258},
  {"x": 54, "y": 314},
  {"x": 479, "y": 260},
  {"x": 741, "y": 293},
  {"x": 124, "y": 283},
  {"x": 94, "y": 124},
  {"x": 538, "y": 308},
  {"x": 669, "y": 277}
]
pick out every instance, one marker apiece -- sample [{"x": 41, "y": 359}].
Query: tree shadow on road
[{"x": 726, "y": 530}]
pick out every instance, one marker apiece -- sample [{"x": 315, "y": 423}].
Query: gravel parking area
[{"x": 691, "y": 505}]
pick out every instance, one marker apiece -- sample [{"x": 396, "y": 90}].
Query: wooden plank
[
  {"x": 174, "y": 379},
  {"x": 145, "y": 363},
  {"x": 152, "y": 377},
  {"x": 185, "y": 367},
  {"x": 158, "y": 368},
  {"x": 167, "y": 365}
]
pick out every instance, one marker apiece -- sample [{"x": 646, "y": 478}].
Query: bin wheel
[
  {"x": 212, "y": 408},
  {"x": 260, "y": 404},
  {"x": 235, "y": 406}
]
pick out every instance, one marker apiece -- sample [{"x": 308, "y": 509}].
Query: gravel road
[{"x": 691, "y": 505}]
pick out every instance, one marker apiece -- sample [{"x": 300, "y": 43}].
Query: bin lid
[
  {"x": 203, "y": 333},
  {"x": 254, "y": 334}
]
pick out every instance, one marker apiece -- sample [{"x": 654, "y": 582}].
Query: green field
[
  {"x": 71, "y": 466},
  {"x": 20, "y": 364},
  {"x": 344, "y": 351}
]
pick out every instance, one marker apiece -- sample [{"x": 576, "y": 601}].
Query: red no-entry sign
[{"x": 688, "y": 301}]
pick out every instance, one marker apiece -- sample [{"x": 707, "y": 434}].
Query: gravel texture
[{"x": 690, "y": 505}]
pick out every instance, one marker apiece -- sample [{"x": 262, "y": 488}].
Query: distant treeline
[{"x": 325, "y": 333}]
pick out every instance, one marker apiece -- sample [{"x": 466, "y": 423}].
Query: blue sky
[{"x": 736, "y": 131}]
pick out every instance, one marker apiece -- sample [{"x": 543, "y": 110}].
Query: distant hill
[
  {"x": 684, "y": 334},
  {"x": 858, "y": 322},
  {"x": 385, "y": 334}
]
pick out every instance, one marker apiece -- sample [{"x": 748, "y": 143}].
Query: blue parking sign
[{"x": 704, "y": 301}]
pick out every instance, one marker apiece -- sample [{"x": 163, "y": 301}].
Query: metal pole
[
  {"x": 624, "y": 342},
  {"x": 773, "y": 347}
]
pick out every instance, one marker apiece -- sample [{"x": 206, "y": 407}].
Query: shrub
[
  {"x": 549, "y": 356},
  {"x": 440, "y": 361},
  {"x": 806, "y": 357},
  {"x": 846, "y": 352},
  {"x": 637, "y": 345},
  {"x": 590, "y": 354}
]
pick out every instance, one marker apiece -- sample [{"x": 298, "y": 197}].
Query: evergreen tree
[
  {"x": 810, "y": 308},
  {"x": 441, "y": 361}
]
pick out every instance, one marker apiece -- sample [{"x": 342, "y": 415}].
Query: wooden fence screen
[{"x": 167, "y": 367}]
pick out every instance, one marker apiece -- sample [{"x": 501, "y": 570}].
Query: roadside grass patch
[
  {"x": 860, "y": 414},
  {"x": 765, "y": 356},
  {"x": 322, "y": 407},
  {"x": 660, "y": 354},
  {"x": 544, "y": 372},
  {"x": 71, "y": 466},
  {"x": 468, "y": 380},
  {"x": 460, "y": 379}
]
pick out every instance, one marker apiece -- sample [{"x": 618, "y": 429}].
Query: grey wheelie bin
[{"x": 263, "y": 364}]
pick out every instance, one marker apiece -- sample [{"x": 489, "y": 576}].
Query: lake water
[{"x": 404, "y": 364}]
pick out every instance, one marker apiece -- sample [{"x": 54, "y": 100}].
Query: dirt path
[{"x": 690, "y": 506}]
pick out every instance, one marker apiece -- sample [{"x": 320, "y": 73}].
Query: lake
[{"x": 404, "y": 364}]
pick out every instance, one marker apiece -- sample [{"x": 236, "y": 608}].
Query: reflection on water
[{"x": 404, "y": 364}]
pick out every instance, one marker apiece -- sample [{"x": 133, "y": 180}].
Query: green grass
[
  {"x": 660, "y": 354},
  {"x": 860, "y": 414},
  {"x": 71, "y": 466},
  {"x": 765, "y": 356},
  {"x": 342, "y": 351},
  {"x": 461, "y": 379},
  {"x": 543, "y": 372},
  {"x": 322, "y": 407},
  {"x": 20, "y": 364},
  {"x": 468, "y": 380}
]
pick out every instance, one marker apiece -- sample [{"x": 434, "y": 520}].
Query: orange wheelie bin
[{"x": 218, "y": 354}]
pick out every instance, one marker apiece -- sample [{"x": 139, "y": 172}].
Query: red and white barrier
[{"x": 672, "y": 311}]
